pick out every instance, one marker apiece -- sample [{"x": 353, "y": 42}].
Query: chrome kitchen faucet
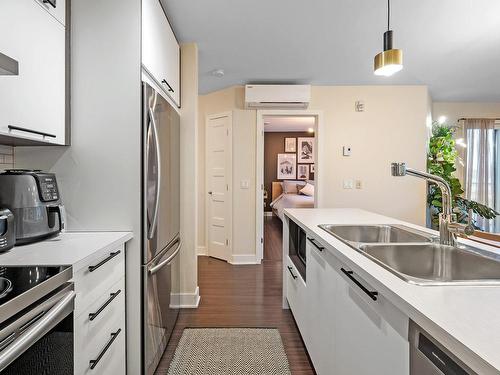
[{"x": 448, "y": 225}]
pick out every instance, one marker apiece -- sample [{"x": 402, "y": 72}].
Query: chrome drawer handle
[
  {"x": 94, "y": 362},
  {"x": 112, "y": 296},
  {"x": 111, "y": 256},
  {"x": 372, "y": 294},
  {"x": 290, "y": 269}
]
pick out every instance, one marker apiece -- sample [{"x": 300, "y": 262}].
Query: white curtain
[{"x": 480, "y": 165}]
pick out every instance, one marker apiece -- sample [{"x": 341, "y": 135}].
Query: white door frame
[
  {"x": 259, "y": 168},
  {"x": 229, "y": 182}
]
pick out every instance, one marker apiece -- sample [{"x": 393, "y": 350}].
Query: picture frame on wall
[
  {"x": 287, "y": 165},
  {"x": 303, "y": 172},
  {"x": 305, "y": 150},
  {"x": 291, "y": 144}
]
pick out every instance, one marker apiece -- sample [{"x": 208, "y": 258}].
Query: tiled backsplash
[{"x": 6, "y": 157}]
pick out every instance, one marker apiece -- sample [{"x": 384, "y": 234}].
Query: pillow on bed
[
  {"x": 307, "y": 190},
  {"x": 292, "y": 187}
]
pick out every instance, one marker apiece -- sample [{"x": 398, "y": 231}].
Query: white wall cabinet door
[
  {"x": 320, "y": 311},
  {"x": 56, "y": 8},
  {"x": 34, "y": 100},
  {"x": 370, "y": 336},
  {"x": 160, "y": 50}
]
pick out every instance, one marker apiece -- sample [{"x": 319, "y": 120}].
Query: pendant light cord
[{"x": 388, "y": 15}]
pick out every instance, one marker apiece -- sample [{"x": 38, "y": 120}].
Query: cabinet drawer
[
  {"x": 97, "y": 277},
  {"x": 108, "y": 352},
  {"x": 109, "y": 306},
  {"x": 296, "y": 296}
]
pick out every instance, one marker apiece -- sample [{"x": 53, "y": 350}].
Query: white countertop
[
  {"x": 69, "y": 248},
  {"x": 465, "y": 319}
]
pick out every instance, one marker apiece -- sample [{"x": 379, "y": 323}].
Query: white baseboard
[
  {"x": 201, "y": 250},
  {"x": 268, "y": 213},
  {"x": 244, "y": 259},
  {"x": 189, "y": 300}
]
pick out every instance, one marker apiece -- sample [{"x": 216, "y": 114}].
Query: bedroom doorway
[{"x": 286, "y": 172}]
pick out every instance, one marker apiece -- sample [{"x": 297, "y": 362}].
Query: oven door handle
[{"x": 36, "y": 331}]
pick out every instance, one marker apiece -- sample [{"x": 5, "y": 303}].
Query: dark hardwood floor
[{"x": 244, "y": 296}]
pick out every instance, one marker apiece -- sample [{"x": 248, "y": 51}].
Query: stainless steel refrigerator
[{"x": 161, "y": 242}]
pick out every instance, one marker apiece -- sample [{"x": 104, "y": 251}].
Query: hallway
[{"x": 244, "y": 296}]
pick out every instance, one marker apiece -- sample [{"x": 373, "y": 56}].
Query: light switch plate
[
  {"x": 346, "y": 150},
  {"x": 348, "y": 184},
  {"x": 359, "y": 185}
]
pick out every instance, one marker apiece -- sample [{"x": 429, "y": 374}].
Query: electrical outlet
[{"x": 244, "y": 184}]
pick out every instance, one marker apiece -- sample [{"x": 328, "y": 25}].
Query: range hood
[{"x": 8, "y": 66}]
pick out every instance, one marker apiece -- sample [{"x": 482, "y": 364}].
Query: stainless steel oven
[
  {"x": 36, "y": 321},
  {"x": 297, "y": 247}
]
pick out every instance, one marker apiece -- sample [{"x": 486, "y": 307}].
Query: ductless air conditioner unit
[{"x": 277, "y": 96}]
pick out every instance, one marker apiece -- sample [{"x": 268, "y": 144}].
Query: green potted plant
[{"x": 441, "y": 158}]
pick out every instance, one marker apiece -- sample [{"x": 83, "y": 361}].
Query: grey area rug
[{"x": 230, "y": 351}]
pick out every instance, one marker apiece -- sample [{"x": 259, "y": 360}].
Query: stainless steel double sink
[{"x": 417, "y": 257}]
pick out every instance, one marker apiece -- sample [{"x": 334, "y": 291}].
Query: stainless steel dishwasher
[{"x": 429, "y": 357}]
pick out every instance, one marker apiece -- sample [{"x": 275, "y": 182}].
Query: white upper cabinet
[
  {"x": 56, "y": 8},
  {"x": 33, "y": 103},
  {"x": 160, "y": 50}
]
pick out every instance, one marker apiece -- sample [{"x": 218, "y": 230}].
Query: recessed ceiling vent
[{"x": 277, "y": 96}]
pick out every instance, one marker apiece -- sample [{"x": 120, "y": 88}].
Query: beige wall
[
  {"x": 393, "y": 127},
  {"x": 244, "y": 138},
  {"x": 189, "y": 165}
]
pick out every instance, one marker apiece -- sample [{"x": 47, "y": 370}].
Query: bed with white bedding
[{"x": 288, "y": 197}]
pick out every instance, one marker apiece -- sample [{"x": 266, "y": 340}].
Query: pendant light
[{"x": 390, "y": 60}]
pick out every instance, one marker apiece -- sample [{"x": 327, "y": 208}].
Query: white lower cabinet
[
  {"x": 371, "y": 337},
  {"x": 296, "y": 295},
  {"x": 320, "y": 311},
  {"x": 99, "y": 323},
  {"x": 345, "y": 331}
]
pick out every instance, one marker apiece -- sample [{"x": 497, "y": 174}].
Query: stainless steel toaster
[
  {"x": 34, "y": 199},
  {"x": 7, "y": 230}
]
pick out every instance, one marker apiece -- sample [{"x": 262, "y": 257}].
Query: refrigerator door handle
[
  {"x": 152, "y": 227},
  {"x": 167, "y": 261}
]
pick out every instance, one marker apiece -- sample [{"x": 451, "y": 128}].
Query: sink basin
[
  {"x": 379, "y": 233},
  {"x": 435, "y": 264}
]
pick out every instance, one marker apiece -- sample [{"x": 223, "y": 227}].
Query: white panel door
[
  {"x": 34, "y": 100},
  {"x": 218, "y": 167}
]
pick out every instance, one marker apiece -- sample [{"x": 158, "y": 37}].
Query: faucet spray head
[{"x": 398, "y": 169}]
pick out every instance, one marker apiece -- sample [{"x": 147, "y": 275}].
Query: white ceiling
[
  {"x": 288, "y": 123},
  {"x": 453, "y": 46}
]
